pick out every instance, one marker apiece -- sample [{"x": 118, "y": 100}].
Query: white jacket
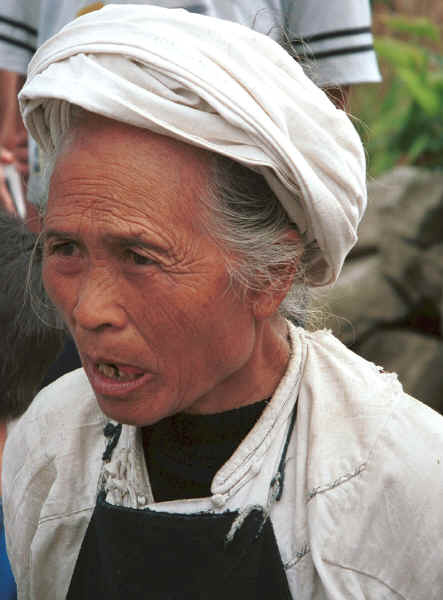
[{"x": 361, "y": 516}]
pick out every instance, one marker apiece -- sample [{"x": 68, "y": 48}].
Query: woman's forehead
[
  {"x": 133, "y": 146},
  {"x": 113, "y": 171}
]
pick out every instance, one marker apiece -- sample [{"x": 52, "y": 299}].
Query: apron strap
[
  {"x": 279, "y": 477},
  {"x": 112, "y": 432}
]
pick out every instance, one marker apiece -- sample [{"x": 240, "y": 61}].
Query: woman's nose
[{"x": 98, "y": 302}]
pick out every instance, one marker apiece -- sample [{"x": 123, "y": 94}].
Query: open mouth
[
  {"x": 115, "y": 379},
  {"x": 118, "y": 372}
]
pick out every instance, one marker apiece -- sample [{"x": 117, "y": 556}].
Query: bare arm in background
[{"x": 13, "y": 138}]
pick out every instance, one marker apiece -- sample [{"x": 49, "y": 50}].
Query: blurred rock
[
  {"x": 401, "y": 264},
  {"x": 362, "y": 300},
  {"x": 384, "y": 193},
  {"x": 417, "y": 273},
  {"x": 417, "y": 359},
  {"x": 416, "y": 216},
  {"x": 388, "y": 302},
  {"x": 432, "y": 273}
]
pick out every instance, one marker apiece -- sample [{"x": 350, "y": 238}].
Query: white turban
[{"x": 216, "y": 85}]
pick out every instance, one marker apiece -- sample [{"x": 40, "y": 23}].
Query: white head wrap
[{"x": 219, "y": 86}]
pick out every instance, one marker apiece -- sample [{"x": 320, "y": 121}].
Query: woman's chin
[{"x": 130, "y": 410}]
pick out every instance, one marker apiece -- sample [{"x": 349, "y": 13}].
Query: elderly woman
[{"x": 200, "y": 186}]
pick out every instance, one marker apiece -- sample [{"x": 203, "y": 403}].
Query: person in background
[
  {"x": 31, "y": 337},
  {"x": 200, "y": 185},
  {"x": 334, "y": 38},
  {"x": 13, "y": 137}
]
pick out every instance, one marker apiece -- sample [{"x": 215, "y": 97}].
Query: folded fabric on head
[{"x": 217, "y": 85}]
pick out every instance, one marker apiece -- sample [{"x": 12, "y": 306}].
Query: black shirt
[{"x": 185, "y": 451}]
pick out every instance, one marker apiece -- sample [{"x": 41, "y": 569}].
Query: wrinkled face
[{"x": 141, "y": 285}]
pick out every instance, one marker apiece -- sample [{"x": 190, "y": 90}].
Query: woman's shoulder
[
  {"x": 54, "y": 421},
  {"x": 51, "y": 465},
  {"x": 345, "y": 385},
  {"x": 71, "y": 395},
  {"x": 375, "y": 474},
  {"x": 357, "y": 414},
  {"x": 383, "y": 523},
  {"x": 338, "y": 380}
]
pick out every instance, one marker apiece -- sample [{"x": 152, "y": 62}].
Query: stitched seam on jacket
[
  {"x": 348, "y": 476},
  {"x": 320, "y": 489}
]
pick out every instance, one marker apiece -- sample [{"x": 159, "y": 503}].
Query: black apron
[{"x": 132, "y": 554}]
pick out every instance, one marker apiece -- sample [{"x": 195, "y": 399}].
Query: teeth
[
  {"x": 113, "y": 372},
  {"x": 108, "y": 370}
]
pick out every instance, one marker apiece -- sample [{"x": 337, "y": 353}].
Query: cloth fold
[{"x": 217, "y": 85}]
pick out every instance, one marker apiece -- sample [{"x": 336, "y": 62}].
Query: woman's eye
[
  {"x": 64, "y": 249},
  {"x": 139, "y": 259}
]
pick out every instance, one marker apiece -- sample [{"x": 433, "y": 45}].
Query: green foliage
[
  {"x": 406, "y": 127},
  {"x": 419, "y": 28}
]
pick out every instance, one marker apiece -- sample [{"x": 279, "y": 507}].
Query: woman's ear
[{"x": 266, "y": 301}]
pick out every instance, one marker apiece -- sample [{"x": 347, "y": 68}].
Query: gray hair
[
  {"x": 247, "y": 220},
  {"x": 250, "y": 222}
]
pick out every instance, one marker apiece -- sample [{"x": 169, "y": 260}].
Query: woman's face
[{"x": 141, "y": 285}]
